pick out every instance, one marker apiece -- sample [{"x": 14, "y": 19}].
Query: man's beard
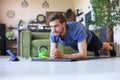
[{"x": 59, "y": 33}]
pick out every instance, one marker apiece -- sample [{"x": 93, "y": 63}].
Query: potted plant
[
  {"x": 69, "y": 13},
  {"x": 9, "y": 35},
  {"x": 105, "y": 15},
  {"x": 70, "y": 16}
]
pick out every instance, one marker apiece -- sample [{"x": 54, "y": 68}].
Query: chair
[{"x": 30, "y": 41}]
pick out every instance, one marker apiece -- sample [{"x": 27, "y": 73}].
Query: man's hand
[{"x": 56, "y": 54}]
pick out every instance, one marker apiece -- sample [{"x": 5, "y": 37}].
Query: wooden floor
[{"x": 96, "y": 69}]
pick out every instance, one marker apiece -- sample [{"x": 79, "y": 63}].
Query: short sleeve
[{"x": 79, "y": 34}]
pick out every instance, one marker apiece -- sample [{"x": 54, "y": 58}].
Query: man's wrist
[{"x": 62, "y": 55}]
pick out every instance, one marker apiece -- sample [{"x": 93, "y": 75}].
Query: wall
[
  {"x": 117, "y": 32},
  {"x": 84, "y": 6},
  {"x": 30, "y": 12},
  {"x": 0, "y": 12}
]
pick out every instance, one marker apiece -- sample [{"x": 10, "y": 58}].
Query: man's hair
[{"x": 56, "y": 16}]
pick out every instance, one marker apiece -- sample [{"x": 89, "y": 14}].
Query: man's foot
[
  {"x": 112, "y": 52},
  {"x": 96, "y": 54}
]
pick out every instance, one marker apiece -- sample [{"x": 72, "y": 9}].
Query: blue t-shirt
[{"x": 75, "y": 32}]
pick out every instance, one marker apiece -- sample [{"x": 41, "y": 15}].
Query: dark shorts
[{"x": 95, "y": 43}]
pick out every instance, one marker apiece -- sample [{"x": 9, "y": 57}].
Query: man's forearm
[{"x": 75, "y": 56}]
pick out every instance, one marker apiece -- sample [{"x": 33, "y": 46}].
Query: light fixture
[
  {"x": 24, "y": 3},
  {"x": 45, "y": 4}
]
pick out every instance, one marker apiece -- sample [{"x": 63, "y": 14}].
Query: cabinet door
[{"x": 12, "y": 45}]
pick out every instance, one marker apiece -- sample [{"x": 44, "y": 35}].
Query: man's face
[{"x": 56, "y": 27}]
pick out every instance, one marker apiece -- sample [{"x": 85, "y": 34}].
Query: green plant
[
  {"x": 105, "y": 15},
  {"x": 91, "y": 22},
  {"x": 9, "y": 34},
  {"x": 69, "y": 13}
]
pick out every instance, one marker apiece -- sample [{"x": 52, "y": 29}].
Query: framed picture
[{"x": 10, "y": 14}]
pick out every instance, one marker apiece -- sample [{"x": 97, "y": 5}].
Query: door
[{"x": 87, "y": 18}]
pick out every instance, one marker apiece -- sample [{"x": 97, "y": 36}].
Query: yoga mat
[
  {"x": 69, "y": 60},
  {"x": 52, "y": 60},
  {"x": 91, "y": 58}
]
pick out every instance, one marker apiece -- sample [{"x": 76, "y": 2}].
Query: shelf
[
  {"x": 12, "y": 45},
  {"x": 12, "y": 28},
  {"x": 12, "y": 40}
]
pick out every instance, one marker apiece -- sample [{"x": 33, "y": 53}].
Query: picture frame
[{"x": 10, "y": 14}]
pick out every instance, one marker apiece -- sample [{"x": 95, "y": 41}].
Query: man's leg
[
  {"x": 96, "y": 54},
  {"x": 107, "y": 46},
  {"x": 95, "y": 45}
]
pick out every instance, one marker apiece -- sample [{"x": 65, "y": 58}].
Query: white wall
[
  {"x": 117, "y": 31},
  {"x": 0, "y": 11},
  {"x": 83, "y": 5},
  {"x": 117, "y": 34},
  {"x": 30, "y": 13}
]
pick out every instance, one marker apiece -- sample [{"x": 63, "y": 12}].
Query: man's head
[{"x": 57, "y": 23}]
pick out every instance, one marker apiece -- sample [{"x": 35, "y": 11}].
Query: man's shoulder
[
  {"x": 72, "y": 22},
  {"x": 73, "y": 26}
]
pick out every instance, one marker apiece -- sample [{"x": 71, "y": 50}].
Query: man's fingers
[{"x": 55, "y": 54}]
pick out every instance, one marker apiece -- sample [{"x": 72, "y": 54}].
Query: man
[{"x": 75, "y": 35}]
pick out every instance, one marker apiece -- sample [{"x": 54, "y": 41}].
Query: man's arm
[
  {"x": 82, "y": 47},
  {"x": 52, "y": 48}
]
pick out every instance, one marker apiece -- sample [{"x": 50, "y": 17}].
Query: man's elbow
[{"x": 83, "y": 56}]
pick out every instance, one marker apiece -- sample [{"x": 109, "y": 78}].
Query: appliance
[{"x": 2, "y": 39}]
